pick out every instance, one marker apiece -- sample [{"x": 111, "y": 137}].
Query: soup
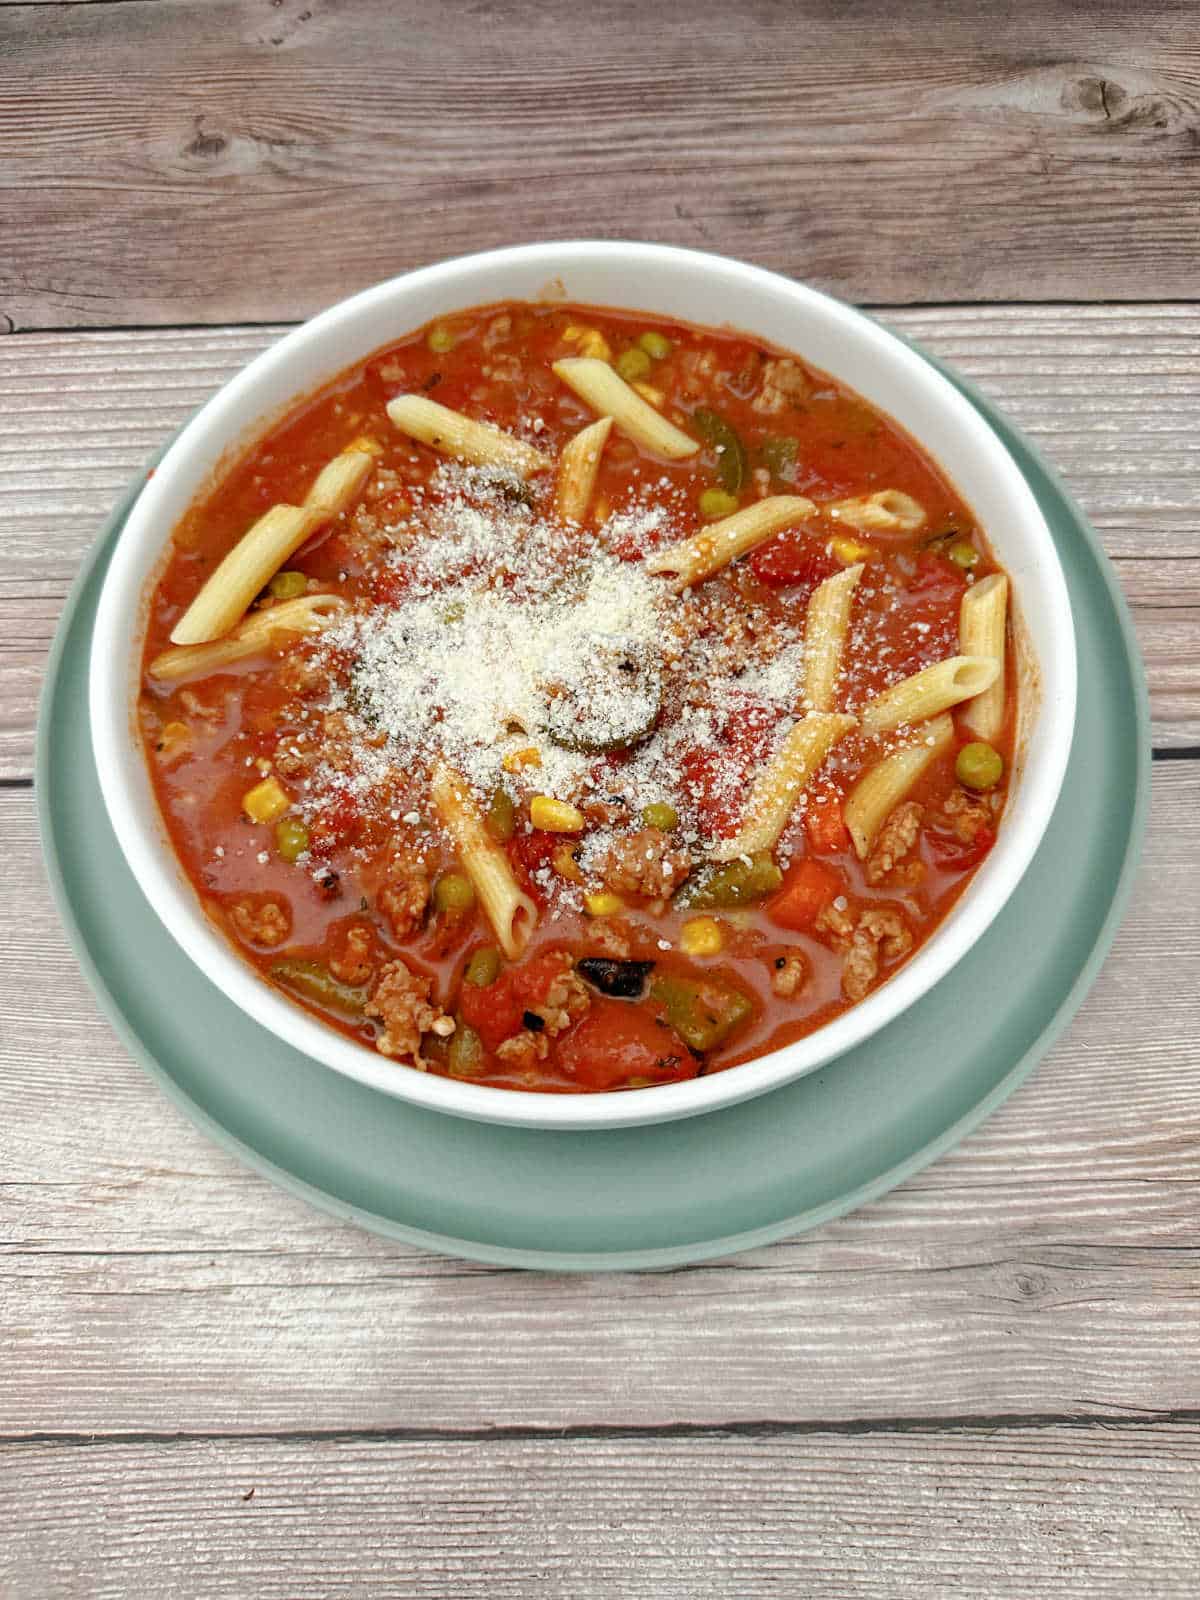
[{"x": 573, "y": 701}]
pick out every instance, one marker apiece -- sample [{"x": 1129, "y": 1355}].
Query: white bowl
[{"x": 681, "y": 284}]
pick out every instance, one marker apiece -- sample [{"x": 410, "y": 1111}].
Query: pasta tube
[
  {"x": 886, "y": 511},
  {"x": 260, "y": 552},
  {"x": 722, "y": 542},
  {"x": 577, "y": 468},
  {"x": 926, "y": 693},
  {"x": 512, "y": 914},
  {"x": 455, "y": 435},
  {"x": 259, "y": 631},
  {"x": 826, "y": 625},
  {"x": 981, "y": 630},
  {"x": 603, "y": 388},
  {"x": 778, "y": 786},
  {"x": 877, "y": 794}
]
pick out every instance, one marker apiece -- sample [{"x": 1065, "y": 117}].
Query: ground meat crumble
[
  {"x": 400, "y": 1000},
  {"x": 896, "y": 838},
  {"x": 646, "y": 863},
  {"x": 265, "y": 922}
]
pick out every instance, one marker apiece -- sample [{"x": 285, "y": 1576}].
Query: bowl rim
[{"x": 177, "y": 904}]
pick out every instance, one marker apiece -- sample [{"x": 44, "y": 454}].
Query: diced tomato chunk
[
  {"x": 497, "y": 1010},
  {"x": 827, "y": 832},
  {"x": 714, "y": 774},
  {"x": 792, "y": 558},
  {"x": 619, "y": 1044},
  {"x": 529, "y": 853},
  {"x": 808, "y": 887}
]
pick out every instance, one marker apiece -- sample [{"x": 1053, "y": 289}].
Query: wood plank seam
[{"x": 970, "y": 1422}]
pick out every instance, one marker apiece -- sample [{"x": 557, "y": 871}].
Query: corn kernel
[
  {"x": 555, "y": 816},
  {"x": 848, "y": 550},
  {"x": 266, "y": 802},
  {"x": 603, "y": 904},
  {"x": 701, "y": 937},
  {"x": 367, "y": 445},
  {"x": 594, "y": 344},
  {"x": 649, "y": 393},
  {"x": 530, "y": 756},
  {"x": 572, "y": 333},
  {"x": 173, "y": 739},
  {"x": 564, "y": 863}
]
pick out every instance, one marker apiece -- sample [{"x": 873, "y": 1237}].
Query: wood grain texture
[
  {"x": 1051, "y": 1265},
  {"x": 1020, "y": 1514},
  {"x": 1111, "y": 394},
  {"x": 230, "y": 160}
]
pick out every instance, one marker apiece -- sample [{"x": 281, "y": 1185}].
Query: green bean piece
[
  {"x": 291, "y": 838},
  {"x": 633, "y": 364},
  {"x": 288, "y": 585},
  {"x": 964, "y": 554},
  {"x": 484, "y": 967},
  {"x": 441, "y": 340},
  {"x": 778, "y": 454},
  {"x": 453, "y": 892},
  {"x": 732, "y": 466},
  {"x": 717, "y": 503},
  {"x": 465, "y": 1056},
  {"x": 501, "y": 819},
  {"x": 979, "y": 766},
  {"x": 734, "y": 884},
  {"x": 660, "y": 815},
  {"x": 702, "y": 1012},
  {"x": 656, "y": 345},
  {"x": 311, "y": 981}
]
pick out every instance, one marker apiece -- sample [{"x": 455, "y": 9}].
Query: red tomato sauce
[{"x": 726, "y": 973}]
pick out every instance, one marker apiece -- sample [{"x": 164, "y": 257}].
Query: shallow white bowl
[{"x": 675, "y": 283}]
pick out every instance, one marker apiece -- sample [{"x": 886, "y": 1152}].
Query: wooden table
[{"x": 987, "y": 1383}]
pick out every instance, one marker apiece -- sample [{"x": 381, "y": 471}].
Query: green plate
[{"x": 637, "y": 1197}]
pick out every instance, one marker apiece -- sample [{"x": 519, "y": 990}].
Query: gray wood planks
[
  {"x": 192, "y": 161},
  {"x": 1040, "y": 1513}
]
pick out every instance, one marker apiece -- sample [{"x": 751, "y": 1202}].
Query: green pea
[
  {"x": 288, "y": 585},
  {"x": 633, "y": 364},
  {"x": 465, "y": 1056},
  {"x": 484, "y": 967},
  {"x": 291, "y": 838},
  {"x": 656, "y": 345},
  {"x": 964, "y": 554},
  {"x": 718, "y": 503},
  {"x": 453, "y": 892},
  {"x": 660, "y": 815},
  {"x": 441, "y": 340},
  {"x": 501, "y": 819},
  {"x": 979, "y": 766}
]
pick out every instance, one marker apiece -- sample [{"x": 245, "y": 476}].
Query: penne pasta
[
  {"x": 722, "y": 542},
  {"x": 512, "y": 914},
  {"x": 263, "y": 549},
  {"x": 926, "y": 693},
  {"x": 982, "y": 626},
  {"x": 886, "y": 511},
  {"x": 453, "y": 434},
  {"x": 577, "y": 468},
  {"x": 602, "y": 387},
  {"x": 877, "y": 794},
  {"x": 256, "y": 633},
  {"x": 826, "y": 624},
  {"x": 775, "y": 790}
]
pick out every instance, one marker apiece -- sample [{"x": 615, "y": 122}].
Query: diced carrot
[
  {"x": 827, "y": 832},
  {"x": 808, "y": 887}
]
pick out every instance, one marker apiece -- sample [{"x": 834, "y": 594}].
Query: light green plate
[{"x": 638, "y": 1197}]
